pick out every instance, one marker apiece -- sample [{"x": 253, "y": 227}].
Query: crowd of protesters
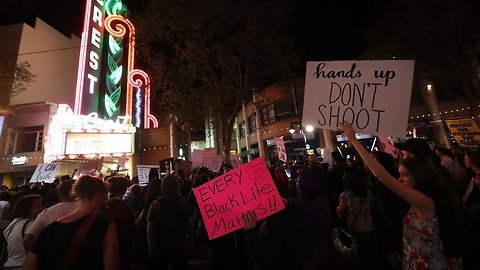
[{"x": 419, "y": 209}]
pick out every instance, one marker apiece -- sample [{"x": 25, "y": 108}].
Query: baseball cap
[{"x": 416, "y": 146}]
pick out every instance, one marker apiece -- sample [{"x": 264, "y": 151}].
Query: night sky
[
  {"x": 330, "y": 30},
  {"x": 324, "y": 30}
]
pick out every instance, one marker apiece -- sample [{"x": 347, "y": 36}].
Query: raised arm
[{"x": 421, "y": 202}]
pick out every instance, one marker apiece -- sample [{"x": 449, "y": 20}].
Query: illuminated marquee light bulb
[
  {"x": 117, "y": 26},
  {"x": 137, "y": 82}
]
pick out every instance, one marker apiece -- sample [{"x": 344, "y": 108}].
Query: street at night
[{"x": 243, "y": 135}]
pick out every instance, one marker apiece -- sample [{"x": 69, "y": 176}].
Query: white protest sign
[
  {"x": 326, "y": 154},
  {"x": 282, "y": 153},
  {"x": 143, "y": 171},
  {"x": 372, "y": 95},
  {"x": 45, "y": 172}
]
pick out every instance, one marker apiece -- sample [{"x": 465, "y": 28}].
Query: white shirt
[
  {"x": 4, "y": 213},
  {"x": 14, "y": 235},
  {"x": 4, "y": 208},
  {"x": 49, "y": 215}
]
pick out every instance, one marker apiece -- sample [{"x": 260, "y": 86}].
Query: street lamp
[{"x": 309, "y": 128}]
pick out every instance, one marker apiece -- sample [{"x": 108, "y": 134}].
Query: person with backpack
[
  {"x": 25, "y": 210},
  {"x": 81, "y": 239},
  {"x": 67, "y": 205},
  {"x": 356, "y": 206},
  {"x": 170, "y": 224}
]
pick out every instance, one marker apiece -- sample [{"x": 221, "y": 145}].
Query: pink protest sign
[{"x": 247, "y": 188}]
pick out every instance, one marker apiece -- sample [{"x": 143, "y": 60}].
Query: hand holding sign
[
  {"x": 223, "y": 200},
  {"x": 347, "y": 129},
  {"x": 249, "y": 220}
]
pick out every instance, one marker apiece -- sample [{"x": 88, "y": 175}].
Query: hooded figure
[
  {"x": 169, "y": 187},
  {"x": 315, "y": 213},
  {"x": 170, "y": 223},
  {"x": 308, "y": 183},
  {"x": 314, "y": 208}
]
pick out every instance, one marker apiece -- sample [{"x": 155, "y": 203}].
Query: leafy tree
[
  {"x": 15, "y": 77},
  {"x": 440, "y": 35},
  {"x": 206, "y": 56},
  {"x": 13, "y": 82}
]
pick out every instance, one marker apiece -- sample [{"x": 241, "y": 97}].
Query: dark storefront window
[
  {"x": 242, "y": 130},
  {"x": 28, "y": 139},
  {"x": 252, "y": 124},
  {"x": 268, "y": 114},
  {"x": 283, "y": 109}
]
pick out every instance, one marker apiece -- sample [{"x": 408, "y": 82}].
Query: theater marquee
[{"x": 98, "y": 143}]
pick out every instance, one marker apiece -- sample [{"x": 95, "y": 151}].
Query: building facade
[
  {"x": 280, "y": 109},
  {"x": 88, "y": 104}
]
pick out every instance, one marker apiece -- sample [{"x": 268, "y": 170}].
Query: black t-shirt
[
  {"x": 170, "y": 216},
  {"x": 55, "y": 239}
]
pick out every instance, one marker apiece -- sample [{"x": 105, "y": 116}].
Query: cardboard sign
[
  {"x": 282, "y": 152},
  {"x": 387, "y": 145},
  {"x": 185, "y": 166},
  {"x": 121, "y": 161},
  {"x": 374, "y": 96},
  {"x": 236, "y": 162},
  {"x": 45, "y": 172},
  {"x": 209, "y": 158},
  {"x": 91, "y": 166},
  {"x": 326, "y": 155},
  {"x": 217, "y": 164},
  {"x": 247, "y": 188},
  {"x": 167, "y": 166},
  {"x": 465, "y": 131},
  {"x": 143, "y": 171},
  {"x": 197, "y": 158}
]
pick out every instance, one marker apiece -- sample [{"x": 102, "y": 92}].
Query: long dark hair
[
  {"x": 355, "y": 179},
  {"x": 154, "y": 190},
  {"x": 428, "y": 180},
  {"x": 169, "y": 188},
  {"x": 448, "y": 207}
]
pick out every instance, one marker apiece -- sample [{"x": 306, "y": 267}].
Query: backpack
[
  {"x": 3, "y": 250},
  {"x": 170, "y": 226},
  {"x": 4, "y": 242}
]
